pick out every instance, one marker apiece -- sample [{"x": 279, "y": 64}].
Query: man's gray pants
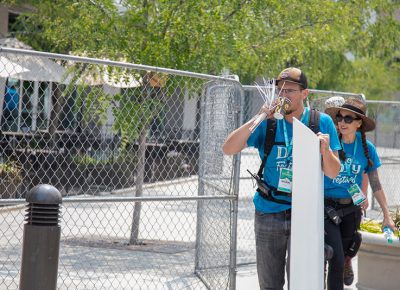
[{"x": 272, "y": 232}]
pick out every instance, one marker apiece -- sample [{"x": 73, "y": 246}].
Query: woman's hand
[
  {"x": 365, "y": 204},
  {"x": 388, "y": 222}
]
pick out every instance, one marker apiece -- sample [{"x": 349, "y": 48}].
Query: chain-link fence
[
  {"x": 385, "y": 137},
  {"x": 149, "y": 200}
]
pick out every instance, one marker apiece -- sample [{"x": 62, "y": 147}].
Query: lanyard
[
  {"x": 288, "y": 145},
  {"x": 352, "y": 158}
]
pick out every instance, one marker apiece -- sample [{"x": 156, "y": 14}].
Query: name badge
[
  {"x": 285, "y": 180},
  {"x": 356, "y": 194}
]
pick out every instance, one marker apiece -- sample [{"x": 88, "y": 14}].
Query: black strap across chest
[{"x": 313, "y": 124}]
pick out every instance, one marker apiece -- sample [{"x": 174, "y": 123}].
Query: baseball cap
[{"x": 293, "y": 75}]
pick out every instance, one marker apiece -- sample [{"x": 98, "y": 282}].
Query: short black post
[{"x": 41, "y": 242}]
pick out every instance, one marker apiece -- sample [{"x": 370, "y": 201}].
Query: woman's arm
[
  {"x": 381, "y": 198},
  {"x": 364, "y": 189}
]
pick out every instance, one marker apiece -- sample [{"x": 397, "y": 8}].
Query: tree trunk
[{"x": 139, "y": 187}]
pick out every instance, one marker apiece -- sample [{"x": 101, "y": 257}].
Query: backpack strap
[
  {"x": 268, "y": 144},
  {"x": 313, "y": 121},
  {"x": 270, "y": 197},
  {"x": 313, "y": 124}
]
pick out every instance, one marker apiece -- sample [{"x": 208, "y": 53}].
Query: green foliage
[
  {"x": 10, "y": 171},
  {"x": 251, "y": 38},
  {"x": 88, "y": 160},
  {"x": 372, "y": 77},
  {"x": 134, "y": 113},
  {"x": 93, "y": 103},
  {"x": 396, "y": 217},
  {"x": 85, "y": 160},
  {"x": 375, "y": 227},
  {"x": 371, "y": 226}
]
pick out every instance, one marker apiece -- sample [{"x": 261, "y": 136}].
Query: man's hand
[
  {"x": 324, "y": 143},
  {"x": 330, "y": 159},
  {"x": 267, "y": 110}
]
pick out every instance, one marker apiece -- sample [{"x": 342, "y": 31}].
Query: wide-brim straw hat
[{"x": 357, "y": 107}]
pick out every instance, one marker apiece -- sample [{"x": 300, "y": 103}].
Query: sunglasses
[{"x": 347, "y": 119}]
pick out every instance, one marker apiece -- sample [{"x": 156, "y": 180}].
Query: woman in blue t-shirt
[{"x": 343, "y": 194}]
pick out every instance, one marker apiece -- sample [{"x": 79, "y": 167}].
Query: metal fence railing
[
  {"x": 385, "y": 137},
  {"x": 148, "y": 197}
]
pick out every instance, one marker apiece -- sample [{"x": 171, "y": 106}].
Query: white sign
[{"x": 307, "y": 231}]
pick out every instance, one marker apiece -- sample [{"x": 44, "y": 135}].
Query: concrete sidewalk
[{"x": 94, "y": 253}]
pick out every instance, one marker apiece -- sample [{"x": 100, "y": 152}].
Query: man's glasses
[
  {"x": 285, "y": 91},
  {"x": 347, "y": 119}
]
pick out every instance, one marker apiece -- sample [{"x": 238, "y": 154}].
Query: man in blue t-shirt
[{"x": 273, "y": 219}]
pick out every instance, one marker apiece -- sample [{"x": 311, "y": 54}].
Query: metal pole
[
  {"x": 30, "y": 52},
  {"x": 41, "y": 242},
  {"x": 235, "y": 203},
  {"x": 2, "y": 94},
  {"x": 201, "y": 175}
]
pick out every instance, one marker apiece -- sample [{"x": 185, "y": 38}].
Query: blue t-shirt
[
  {"x": 279, "y": 157},
  {"x": 351, "y": 169}
]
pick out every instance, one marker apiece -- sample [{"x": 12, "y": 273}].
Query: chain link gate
[
  {"x": 218, "y": 176},
  {"x": 148, "y": 202},
  {"x": 385, "y": 137}
]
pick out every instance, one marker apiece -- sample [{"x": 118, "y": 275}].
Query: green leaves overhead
[{"x": 250, "y": 37}]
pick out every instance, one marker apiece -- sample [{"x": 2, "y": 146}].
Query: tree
[
  {"x": 250, "y": 37},
  {"x": 371, "y": 64}
]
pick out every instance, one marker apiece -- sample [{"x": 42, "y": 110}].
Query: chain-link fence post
[
  {"x": 238, "y": 111},
  {"x": 41, "y": 242}
]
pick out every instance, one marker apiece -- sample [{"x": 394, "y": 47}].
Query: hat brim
[
  {"x": 368, "y": 124},
  {"x": 289, "y": 80}
]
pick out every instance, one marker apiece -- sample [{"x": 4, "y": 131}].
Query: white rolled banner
[{"x": 307, "y": 229}]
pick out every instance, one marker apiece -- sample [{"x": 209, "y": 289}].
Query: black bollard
[{"x": 41, "y": 242}]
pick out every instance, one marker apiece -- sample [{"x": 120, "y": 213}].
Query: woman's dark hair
[
  {"x": 342, "y": 154},
  {"x": 365, "y": 146}
]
